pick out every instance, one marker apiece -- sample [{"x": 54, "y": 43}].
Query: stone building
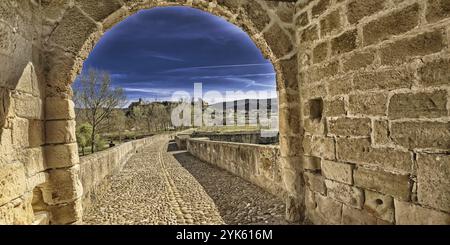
[{"x": 363, "y": 96}]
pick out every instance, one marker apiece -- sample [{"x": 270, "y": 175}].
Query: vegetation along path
[{"x": 159, "y": 185}]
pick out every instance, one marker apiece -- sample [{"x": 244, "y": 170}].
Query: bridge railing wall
[
  {"x": 258, "y": 164},
  {"x": 95, "y": 168}
]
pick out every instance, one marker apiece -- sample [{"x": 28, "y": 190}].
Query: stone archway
[
  {"x": 364, "y": 112},
  {"x": 80, "y": 26}
]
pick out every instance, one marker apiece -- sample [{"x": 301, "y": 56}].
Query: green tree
[
  {"x": 96, "y": 95},
  {"x": 83, "y": 134}
]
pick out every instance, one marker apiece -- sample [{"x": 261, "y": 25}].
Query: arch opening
[{"x": 275, "y": 74}]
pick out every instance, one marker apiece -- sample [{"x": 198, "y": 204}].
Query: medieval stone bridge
[
  {"x": 162, "y": 185},
  {"x": 363, "y": 92}
]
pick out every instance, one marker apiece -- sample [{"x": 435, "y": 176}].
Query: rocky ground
[{"x": 160, "y": 185}]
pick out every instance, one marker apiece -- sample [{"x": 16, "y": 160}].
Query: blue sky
[{"x": 159, "y": 51}]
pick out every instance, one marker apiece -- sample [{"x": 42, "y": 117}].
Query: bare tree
[{"x": 98, "y": 98}]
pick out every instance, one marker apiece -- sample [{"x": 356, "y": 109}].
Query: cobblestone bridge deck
[{"x": 160, "y": 185}]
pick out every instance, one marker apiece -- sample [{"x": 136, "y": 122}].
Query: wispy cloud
[
  {"x": 157, "y": 91},
  {"x": 214, "y": 67},
  {"x": 235, "y": 76},
  {"x": 251, "y": 82},
  {"x": 158, "y": 55}
]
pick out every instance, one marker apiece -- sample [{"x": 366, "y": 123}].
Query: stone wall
[
  {"x": 250, "y": 137},
  {"x": 181, "y": 141},
  {"x": 23, "y": 175},
  {"x": 237, "y": 137},
  {"x": 42, "y": 48},
  {"x": 96, "y": 167},
  {"x": 374, "y": 87},
  {"x": 258, "y": 164}
]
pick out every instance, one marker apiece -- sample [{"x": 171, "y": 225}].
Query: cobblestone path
[{"x": 162, "y": 186}]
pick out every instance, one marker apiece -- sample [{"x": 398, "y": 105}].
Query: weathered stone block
[
  {"x": 257, "y": 14},
  {"x": 352, "y": 216},
  {"x": 388, "y": 79},
  {"x": 302, "y": 20},
  {"x": 311, "y": 163},
  {"x": 6, "y": 146},
  {"x": 437, "y": 10},
  {"x": 344, "y": 43},
  {"x": 5, "y": 104},
  {"x": 59, "y": 109},
  {"x": 314, "y": 126},
  {"x": 360, "y": 9},
  {"x": 17, "y": 212},
  {"x": 60, "y": 156},
  {"x": 33, "y": 160},
  {"x": 373, "y": 104},
  {"x": 435, "y": 73},
  {"x": 286, "y": 11},
  {"x": 349, "y": 195},
  {"x": 320, "y": 52},
  {"x": 311, "y": 208},
  {"x": 360, "y": 151},
  {"x": 279, "y": 41},
  {"x": 36, "y": 136},
  {"x": 292, "y": 180},
  {"x": 41, "y": 218},
  {"x": 320, "y": 7},
  {"x": 416, "y": 105},
  {"x": 395, "y": 23},
  {"x": 407, "y": 213},
  {"x": 20, "y": 133},
  {"x": 318, "y": 73},
  {"x": 63, "y": 66},
  {"x": 27, "y": 106},
  {"x": 315, "y": 182},
  {"x": 379, "y": 205},
  {"x": 358, "y": 60},
  {"x": 12, "y": 68},
  {"x": 313, "y": 92},
  {"x": 69, "y": 213},
  {"x": 335, "y": 108},
  {"x": 414, "y": 135},
  {"x": 99, "y": 10},
  {"x": 329, "y": 209},
  {"x": 290, "y": 146},
  {"x": 36, "y": 180},
  {"x": 330, "y": 23},
  {"x": 381, "y": 132},
  {"x": 60, "y": 132},
  {"x": 433, "y": 182},
  {"x": 337, "y": 171},
  {"x": 28, "y": 82},
  {"x": 309, "y": 35},
  {"x": 64, "y": 186},
  {"x": 319, "y": 147},
  {"x": 398, "y": 186},
  {"x": 340, "y": 85},
  {"x": 349, "y": 126},
  {"x": 406, "y": 48},
  {"x": 290, "y": 72},
  {"x": 78, "y": 25},
  {"x": 291, "y": 120},
  {"x": 312, "y": 213},
  {"x": 12, "y": 184}
]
